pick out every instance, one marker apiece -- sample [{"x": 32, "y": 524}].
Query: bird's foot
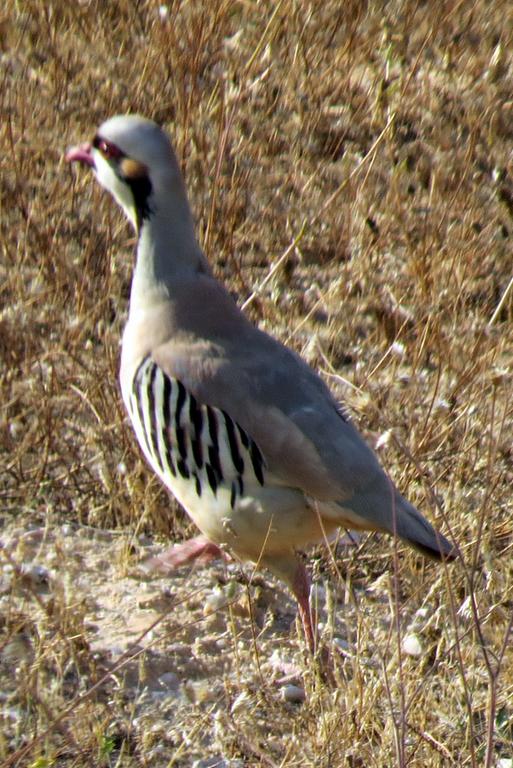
[{"x": 199, "y": 549}]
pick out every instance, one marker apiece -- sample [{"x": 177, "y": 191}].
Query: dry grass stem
[{"x": 350, "y": 169}]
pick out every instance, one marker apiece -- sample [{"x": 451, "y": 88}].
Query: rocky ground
[{"x": 350, "y": 171}]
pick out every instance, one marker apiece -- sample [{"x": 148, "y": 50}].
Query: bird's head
[{"x": 133, "y": 159}]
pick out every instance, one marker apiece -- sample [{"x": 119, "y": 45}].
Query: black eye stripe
[{"x": 108, "y": 150}]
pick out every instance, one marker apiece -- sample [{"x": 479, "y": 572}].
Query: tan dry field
[{"x": 350, "y": 169}]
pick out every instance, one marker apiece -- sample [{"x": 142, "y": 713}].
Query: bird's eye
[{"x": 108, "y": 150}]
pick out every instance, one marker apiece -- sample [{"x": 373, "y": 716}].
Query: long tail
[
  {"x": 411, "y": 526},
  {"x": 380, "y": 506}
]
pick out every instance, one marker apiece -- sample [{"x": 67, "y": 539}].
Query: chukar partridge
[{"x": 241, "y": 430}]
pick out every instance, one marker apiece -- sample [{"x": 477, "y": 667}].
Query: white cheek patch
[{"x": 116, "y": 186}]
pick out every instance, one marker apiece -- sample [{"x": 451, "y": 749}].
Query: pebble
[
  {"x": 293, "y": 694},
  {"x": 15, "y": 429},
  {"x": 214, "y": 601},
  {"x": 398, "y": 349},
  {"x": 341, "y": 644},
  {"x": 67, "y": 529},
  {"x": 411, "y": 645},
  {"x": 220, "y": 597}
]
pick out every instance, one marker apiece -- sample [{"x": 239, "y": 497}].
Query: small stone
[
  {"x": 398, "y": 349},
  {"x": 411, "y": 645},
  {"x": 441, "y": 404},
  {"x": 15, "y": 429},
  {"x": 341, "y": 644},
  {"x": 293, "y": 694},
  {"x": 215, "y": 601}
]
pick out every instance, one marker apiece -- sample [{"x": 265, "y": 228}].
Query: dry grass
[{"x": 369, "y": 145}]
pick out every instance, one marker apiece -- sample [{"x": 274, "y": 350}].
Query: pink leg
[
  {"x": 301, "y": 589},
  {"x": 199, "y": 549}
]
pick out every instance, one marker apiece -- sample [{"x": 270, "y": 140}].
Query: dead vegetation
[{"x": 350, "y": 170}]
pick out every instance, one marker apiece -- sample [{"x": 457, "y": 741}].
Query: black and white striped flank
[{"x": 193, "y": 441}]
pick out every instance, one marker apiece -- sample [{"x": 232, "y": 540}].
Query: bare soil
[{"x": 350, "y": 170}]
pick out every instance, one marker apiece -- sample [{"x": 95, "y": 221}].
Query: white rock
[
  {"x": 15, "y": 429},
  {"x": 441, "y": 404},
  {"x": 214, "y": 602},
  {"x": 411, "y": 645},
  {"x": 342, "y": 644},
  {"x": 398, "y": 349}
]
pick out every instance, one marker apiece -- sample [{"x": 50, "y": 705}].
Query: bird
[{"x": 242, "y": 431}]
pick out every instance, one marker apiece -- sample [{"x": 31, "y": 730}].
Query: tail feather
[
  {"x": 381, "y": 507},
  {"x": 411, "y": 526}
]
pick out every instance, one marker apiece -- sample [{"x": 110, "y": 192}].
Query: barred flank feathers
[{"x": 181, "y": 436}]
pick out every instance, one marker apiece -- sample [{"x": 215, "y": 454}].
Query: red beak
[{"x": 81, "y": 154}]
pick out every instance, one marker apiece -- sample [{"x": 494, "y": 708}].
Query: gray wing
[{"x": 285, "y": 407}]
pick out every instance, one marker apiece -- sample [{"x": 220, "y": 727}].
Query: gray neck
[{"x": 167, "y": 249}]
